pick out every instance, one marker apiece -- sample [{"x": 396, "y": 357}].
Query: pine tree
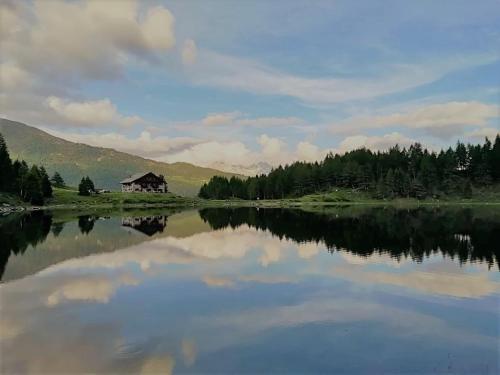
[
  {"x": 90, "y": 185},
  {"x": 381, "y": 190},
  {"x": 203, "y": 193},
  {"x": 390, "y": 184},
  {"x": 57, "y": 180},
  {"x": 19, "y": 171},
  {"x": 32, "y": 187},
  {"x": 467, "y": 189},
  {"x": 82, "y": 187},
  {"x": 417, "y": 189},
  {"x": 403, "y": 183},
  {"x": 86, "y": 187},
  {"x": 45, "y": 182},
  {"x": 5, "y": 167},
  {"x": 494, "y": 159},
  {"x": 462, "y": 157}
]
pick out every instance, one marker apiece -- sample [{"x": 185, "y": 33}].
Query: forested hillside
[
  {"x": 399, "y": 172},
  {"x": 106, "y": 167}
]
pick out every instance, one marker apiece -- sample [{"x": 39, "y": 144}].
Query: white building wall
[{"x": 138, "y": 188}]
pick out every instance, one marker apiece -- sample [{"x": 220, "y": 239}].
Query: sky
[{"x": 235, "y": 84}]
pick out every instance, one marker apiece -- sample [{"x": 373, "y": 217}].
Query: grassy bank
[
  {"x": 69, "y": 199},
  {"x": 489, "y": 194},
  {"x": 486, "y": 196},
  {"x": 10, "y": 199}
]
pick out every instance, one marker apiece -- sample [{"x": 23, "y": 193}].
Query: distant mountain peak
[{"x": 246, "y": 170}]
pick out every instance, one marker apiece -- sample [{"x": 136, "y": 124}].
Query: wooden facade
[{"x": 144, "y": 183}]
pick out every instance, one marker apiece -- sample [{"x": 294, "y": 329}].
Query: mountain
[
  {"x": 246, "y": 170},
  {"x": 105, "y": 166}
]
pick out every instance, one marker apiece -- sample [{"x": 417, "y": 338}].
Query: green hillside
[{"x": 106, "y": 167}]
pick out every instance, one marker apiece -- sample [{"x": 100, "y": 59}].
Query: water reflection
[
  {"x": 86, "y": 223},
  {"x": 464, "y": 234},
  {"x": 246, "y": 290},
  {"x": 17, "y": 232},
  {"x": 415, "y": 233},
  {"x": 45, "y": 231},
  {"x": 57, "y": 228},
  {"x": 149, "y": 225}
]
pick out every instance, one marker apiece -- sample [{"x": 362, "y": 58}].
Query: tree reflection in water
[
  {"x": 17, "y": 232},
  {"x": 415, "y": 233},
  {"x": 469, "y": 235},
  {"x": 86, "y": 223}
]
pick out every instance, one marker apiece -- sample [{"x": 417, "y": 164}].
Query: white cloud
[
  {"x": 12, "y": 77},
  {"x": 92, "y": 39},
  {"x": 271, "y": 146},
  {"x": 247, "y": 75},
  {"x": 233, "y": 155},
  {"x": 237, "y": 118},
  {"x": 189, "y": 351},
  {"x": 441, "y": 120},
  {"x": 144, "y": 145},
  {"x": 273, "y": 151},
  {"x": 158, "y": 365},
  {"x": 157, "y": 28},
  {"x": 218, "y": 282},
  {"x": 49, "y": 47},
  {"x": 447, "y": 114},
  {"x": 189, "y": 52},
  {"x": 456, "y": 285},
  {"x": 480, "y": 134},
  {"x": 224, "y": 118},
  {"x": 308, "y": 250},
  {"x": 375, "y": 143},
  {"x": 88, "y": 288},
  {"x": 270, "y": 121},
  {"x": 307, "y": 151},
  {"x": 90, "y": 113},
  {"x": 211, "y": 152},
  {"x": 11, "y": 21}
]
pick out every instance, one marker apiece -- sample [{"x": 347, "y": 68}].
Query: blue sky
[{"x": 234, "y": 83}]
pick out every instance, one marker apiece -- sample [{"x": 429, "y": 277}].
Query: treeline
[
  {"x": 399, "y": 172},
  {"x": 31, "y": 184}
]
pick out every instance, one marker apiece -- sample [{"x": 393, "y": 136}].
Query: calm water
[{"x": 345, "y": 290}]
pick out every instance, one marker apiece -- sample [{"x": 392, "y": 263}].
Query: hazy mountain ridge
[
  {"x": 107, "y": 167},
  {"x": 246, "y": 170}
]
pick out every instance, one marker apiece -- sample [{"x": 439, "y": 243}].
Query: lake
[{"x": 245, "y": 290}]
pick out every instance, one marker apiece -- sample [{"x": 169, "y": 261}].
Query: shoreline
[{"x": 281, "y": 203}]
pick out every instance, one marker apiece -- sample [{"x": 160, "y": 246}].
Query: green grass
[
  {"x": 10, "y": 199},
  {"x": 489, "y": 194},
  {"x": 339, "y": 195},
  {"x": 70, "y": 197}
]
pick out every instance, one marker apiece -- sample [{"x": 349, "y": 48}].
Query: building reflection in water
[{"x": 148, "y": 225}]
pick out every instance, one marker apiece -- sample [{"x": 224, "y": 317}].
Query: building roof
[{"x": 135, "y": 177}]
